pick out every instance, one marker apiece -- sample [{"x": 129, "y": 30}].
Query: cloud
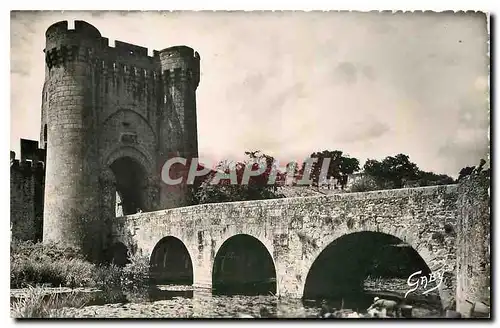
[
  {"x": 346, "y": 73},
  {"x": 365, "y": 132}
]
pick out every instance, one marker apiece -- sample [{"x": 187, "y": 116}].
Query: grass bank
[{"x": 33, "y": 265}]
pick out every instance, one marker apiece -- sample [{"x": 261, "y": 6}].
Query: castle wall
[
  {"x": 473, "y": 243},
  {"x": 26, "y": 200}
]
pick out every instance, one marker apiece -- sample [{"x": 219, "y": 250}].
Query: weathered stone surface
[
  {"x": 26, "y": 199},
  {"x": 306, "y": 226},
  {"x": 473, "y": 243}
]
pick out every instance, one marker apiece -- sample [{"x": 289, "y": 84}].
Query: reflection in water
[{"x": 184, "y": 302}]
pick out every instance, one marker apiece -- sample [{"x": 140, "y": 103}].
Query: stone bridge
[{"x": 300, "y": 232}]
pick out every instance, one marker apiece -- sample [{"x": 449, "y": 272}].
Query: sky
[{"x": 293, "y": 83}]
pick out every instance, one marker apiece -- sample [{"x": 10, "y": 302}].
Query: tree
[
  {"x": 470, "y": 170},
  {"x": 398, "y": 172},
  {"x": 256, "y": 189},
  {"x": 392, "y": 171},
  {"x": 433, "y": 179},
  {"x": 338, "y": 168},
  {"x": 465, "y": 172}
]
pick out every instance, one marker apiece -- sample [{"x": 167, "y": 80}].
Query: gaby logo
[{"x": 416, "y": 280}]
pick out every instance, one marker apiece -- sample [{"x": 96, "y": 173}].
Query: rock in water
[
  {"x": 353, "y": 315},
  {"x": 406, "y": 311},
  {"x": 346, "y": 313},
  {"x": 245, "y": 316},
  {"x": 374, "y": 313}
]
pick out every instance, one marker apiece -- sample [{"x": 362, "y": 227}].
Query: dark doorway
[
  {"x": 130, "y": 179},
  {"x": 170, "y": 263},
  {"x": 243, "y": 266}
]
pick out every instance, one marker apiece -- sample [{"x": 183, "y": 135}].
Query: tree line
[{"x": 392, "y": 172}]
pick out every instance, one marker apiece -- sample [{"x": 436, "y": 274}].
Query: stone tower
[{"x": 111, "y": 116}]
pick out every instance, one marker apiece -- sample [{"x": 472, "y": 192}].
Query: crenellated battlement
[
  {"x": 27, "y": 168},
  {"x": 59, "y": 34},
  {"x": 81, "y": 28},
  {"x": 32, "y": 159},
  {"x": 180, "y": 64},
  {"x": 130, "y": 49},
  {"x": 27, "y": 183},
  {"x": 128, "y": 61},
  {"x": 127, "y": 53},
  {"x": 85, "y": 41}
]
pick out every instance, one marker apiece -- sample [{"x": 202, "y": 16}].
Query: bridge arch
[
  {"x": 244, "y": 265},
  {"x": 135, "y": 152},
  {"x": 375, "y": 238},
  {"x": 171, "y": 262}
]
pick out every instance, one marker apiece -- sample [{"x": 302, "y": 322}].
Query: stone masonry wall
[
  {"x": 473, "y": 250},
  {"x": 296, "y": 230},
  {"x": 26, "y": 201}
]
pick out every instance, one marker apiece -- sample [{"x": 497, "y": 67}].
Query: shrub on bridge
[{"x": 365, "y": 183}]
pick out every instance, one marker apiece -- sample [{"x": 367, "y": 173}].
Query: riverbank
[{"x": 188, "y": 302}]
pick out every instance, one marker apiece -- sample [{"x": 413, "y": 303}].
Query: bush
[
  {"x": 365, "y": 183},
  {"x": 135, "y": 275},
  {"x": 33, "y": 264},
  {"x": 107, "y": 277},
  {"x": 36, "y": 264}
]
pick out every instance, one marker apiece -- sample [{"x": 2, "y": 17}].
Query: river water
[{"x": 185, "y": 302}]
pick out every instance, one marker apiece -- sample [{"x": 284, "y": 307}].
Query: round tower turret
[
  {"x": 71, "y": 214},
  {"x": 180, "y": 76}
]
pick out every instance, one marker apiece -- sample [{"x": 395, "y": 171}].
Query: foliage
[
  {"x": 36, "y": 264},
  {"x": 339, "y": 167},
  {"x": 135, "y": 274},
  {"x": 399, "y": 172},
  {"x": 365, "y": 183},
  {"x": 433, "y": 179},
  {"x": 466, "y": 171},
  {"x": 213, "y": 190},
  {"x": 107, "y": 277},
  {"x": 392, "y": 171},
  {"x": 469, "y": 170},
  {"x": 33, "y": 264}
]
